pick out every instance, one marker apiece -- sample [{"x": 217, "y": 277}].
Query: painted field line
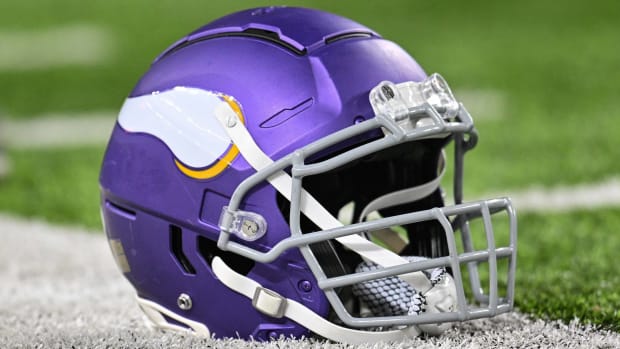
[
  {"x": 58, "y": 130},
  {"x": 567, "y": 198},
  {"x": 77, "y": 44}
]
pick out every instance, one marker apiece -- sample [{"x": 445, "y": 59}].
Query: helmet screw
[
  {"x": 273, "y": 335},
  {"x": 231, "y": 121},
  {"x": 249, "y": 228},
  {"x": 388, "y": 93},
  {"x": 184, "y": 301},
  {"x": 358, "y": 119},
  {"x": 305, "y": 285}
]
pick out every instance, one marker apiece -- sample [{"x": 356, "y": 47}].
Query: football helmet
[{"x": 277, "y": 173}]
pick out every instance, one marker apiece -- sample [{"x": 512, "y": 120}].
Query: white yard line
[
  {"x": 567, "y": 198},
  {"x": 77, "y": 44},
  {"x": 58, "y": 130}
]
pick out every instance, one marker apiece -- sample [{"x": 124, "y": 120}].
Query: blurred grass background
[{"x": 552, "y": 69}]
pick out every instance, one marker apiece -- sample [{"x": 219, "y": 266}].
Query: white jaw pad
[
  {"x": 300, "y": 313},
  {"x": 309, "y": 205}
]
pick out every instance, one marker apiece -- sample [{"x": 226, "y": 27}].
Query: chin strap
[{"x": 271, "y": 303}]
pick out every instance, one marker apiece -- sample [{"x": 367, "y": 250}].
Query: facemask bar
[
  {"x": 419, "y": 122},
  {"x": 495, "y": 304}
]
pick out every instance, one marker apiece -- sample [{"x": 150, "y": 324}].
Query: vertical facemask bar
[
  {"x": 472, "y": 267},
  {"x": 459, "y": 154},
  {"x": 512, "y": 267},
  {"x": 488, "y": 228},
  {"x": 295, "y": 210},
  {"x": 295, "y": 219},
  {"x": 461, "y": 146},
  {"x": 454, "y": 263}
]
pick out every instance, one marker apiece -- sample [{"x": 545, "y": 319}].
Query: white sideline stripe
[
  {"x": 567, "y": 198},
  {"x": 77, "y": 44},
  {"x": 58, "y": 130}
]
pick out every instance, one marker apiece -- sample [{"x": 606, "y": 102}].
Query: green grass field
[{"x": 556, "y": 66}]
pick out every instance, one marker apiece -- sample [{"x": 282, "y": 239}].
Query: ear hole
[
  {"x": 208, "y": 250},
  {"x": 176, "y": 246}
]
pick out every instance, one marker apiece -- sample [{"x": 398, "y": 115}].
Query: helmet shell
[{"x": 298, "y": 75}]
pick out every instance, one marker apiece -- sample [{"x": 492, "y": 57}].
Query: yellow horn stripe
[
  {"x": 212, "y": 171},
  {"x": 222, "y": 163}
]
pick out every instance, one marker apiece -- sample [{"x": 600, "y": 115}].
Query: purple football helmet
[{"x": 277, "y": 172}]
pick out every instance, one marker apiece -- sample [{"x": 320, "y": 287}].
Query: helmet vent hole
[
  {"x": 176, "y": 245},
  {"x": 120, "y": 210},
  {"x": 208, "y": 250},
  {"x": 256, "y": 33},
  {"x": 344, "y": 36}
]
